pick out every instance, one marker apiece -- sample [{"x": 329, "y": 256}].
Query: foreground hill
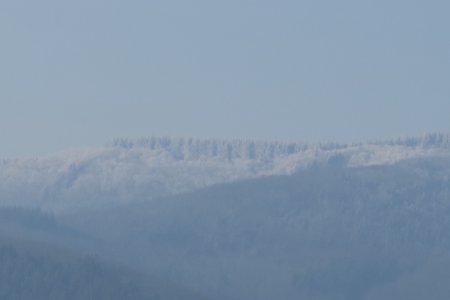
[{"x": 41, "y": 259}]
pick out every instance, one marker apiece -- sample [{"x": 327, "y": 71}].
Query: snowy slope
[{"x": 139, "y": 170}]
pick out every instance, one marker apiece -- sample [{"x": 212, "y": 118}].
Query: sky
[{"x": 81, "y": 73}]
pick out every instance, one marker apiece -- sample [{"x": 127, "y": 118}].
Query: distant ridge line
[
  {"x": 196, "y": 148},
  {"x": 428, "y": 140}
]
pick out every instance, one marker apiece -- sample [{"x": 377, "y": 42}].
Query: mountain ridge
[{"x": 143, "y": 169}]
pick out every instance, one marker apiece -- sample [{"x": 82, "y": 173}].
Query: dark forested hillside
[
  {"x": 26, "y": 275},
  {"x": 40, "y": 259},
  {"x": 324, "y": 233},
  {"x": 42, "y": 273}
]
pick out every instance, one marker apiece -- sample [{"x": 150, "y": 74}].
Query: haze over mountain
[
  {"x": 327, "y": 232},
  {"x": 42, "y": 259},
  {"x": 230, "y": 220},
  {"x": 138, "y": 170},
  {"x": 257, "y": 155}
]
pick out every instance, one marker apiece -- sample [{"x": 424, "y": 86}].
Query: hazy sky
[{"x": 78, "y": 73}]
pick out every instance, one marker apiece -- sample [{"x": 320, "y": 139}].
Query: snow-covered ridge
[
  {"x": 139, "y": 170},
  {"x": 194, "y": 149}
]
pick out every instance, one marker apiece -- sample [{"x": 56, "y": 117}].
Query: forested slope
[
  {"x": 40, "y": 259},
  {"x": 328, "y": 232}
]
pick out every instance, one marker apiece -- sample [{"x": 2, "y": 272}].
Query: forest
[{"x": 325, "y": 232}]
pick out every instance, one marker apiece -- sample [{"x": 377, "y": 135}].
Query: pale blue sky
[{"x": 79, "y": 73}]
